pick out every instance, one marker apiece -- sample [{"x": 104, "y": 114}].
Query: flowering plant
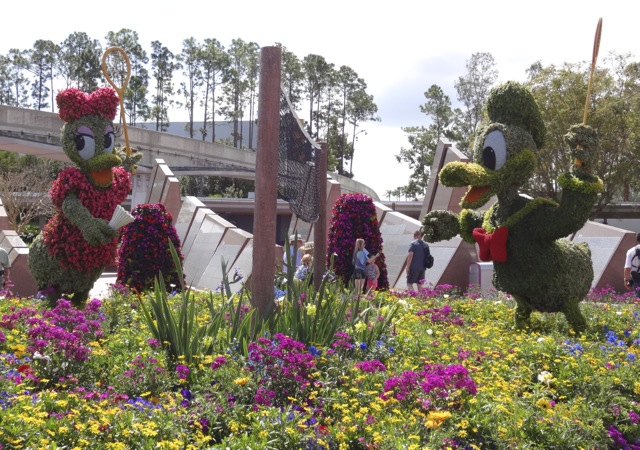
[
  {"x": 144, "y": 250},
  {"x": 73, "y": 103},
  {"x": 354, "y": 217}
]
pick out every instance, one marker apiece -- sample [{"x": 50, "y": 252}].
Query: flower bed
[{"x": 451, "y": 372}]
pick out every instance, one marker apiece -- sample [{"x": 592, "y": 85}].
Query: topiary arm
[
  {"x": 129, "y": 161},
  {"x": 580, "y": 187},
  {"x": 440, "y": 226},
  {"x": 94, "y": 230},
  {"x": 583, "y": 148},
  {"x": 469, "y": 220}
]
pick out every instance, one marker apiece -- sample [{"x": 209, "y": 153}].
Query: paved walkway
[{"x": 102, "y": 284}]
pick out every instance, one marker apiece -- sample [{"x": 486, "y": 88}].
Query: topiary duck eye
[
  {"x": 494, "y": 150},
  {"x": 109, "y": 142},
  {"x": 85, "y": 145}
]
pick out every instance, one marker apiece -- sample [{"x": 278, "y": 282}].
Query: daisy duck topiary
[
  {"x": 77, "y": 243},
  {"x": 524, "y": 236}
]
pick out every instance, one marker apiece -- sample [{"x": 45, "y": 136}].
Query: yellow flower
[
  {"x": 360, "y": 326},
  {"x": 241, "y": 381},
  {"x": 436, "y": 418},
  {"x": 311, "y": 310}
]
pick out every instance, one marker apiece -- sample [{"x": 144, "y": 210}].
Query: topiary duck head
[
  {"x": 88, "y": 136},
  {"x": 505, "y": 149}
]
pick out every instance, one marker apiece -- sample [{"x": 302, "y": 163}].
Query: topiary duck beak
[
  {"x": 102, "y": 178},
  {"x": 475, "y": 196},
  {"x": 459, "y": 174},
  {"x": 99, "y": 169}
]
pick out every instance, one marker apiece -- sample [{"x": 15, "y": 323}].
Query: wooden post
[
  {"x": 266, "y": 195},
  {"x": 320, "y": 227}
]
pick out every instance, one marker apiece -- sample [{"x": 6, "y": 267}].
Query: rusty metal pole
[
  {"x": 320, "y": 227},
  {"x": 266, "y": 195}
]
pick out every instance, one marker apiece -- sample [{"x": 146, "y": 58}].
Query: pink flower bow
[{"x": 73, "y": 103}]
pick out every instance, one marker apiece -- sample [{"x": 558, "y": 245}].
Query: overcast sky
[{"x": 399, "y": 48}]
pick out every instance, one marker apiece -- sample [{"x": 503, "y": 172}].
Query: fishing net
[{"x": 298, "y": 162}]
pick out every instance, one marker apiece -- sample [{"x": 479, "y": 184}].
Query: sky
[{"x": 399, "y": 48}]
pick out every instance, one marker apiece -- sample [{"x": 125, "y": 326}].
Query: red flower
[{"x": 73, "y": 103}]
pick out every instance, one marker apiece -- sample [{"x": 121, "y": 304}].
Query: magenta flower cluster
[
  {"x": 66, "y": 330},
  {"x": 144, "y": 251},
  {"x": 57, "y": 339},
  {"x": 283, "y": 367},
  {"x": 354, "y": 217},
  {"x": 441, "y": 315},
  {"x": 432, "y": 388},
  {"x": 372, "y": 366},
  {"x": 144, "y": 374}
]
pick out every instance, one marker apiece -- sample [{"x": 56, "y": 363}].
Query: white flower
[
  {"x": 429, "y": 332},
  {"x": 38, "y": 355},
  {"x": 541, "y": 339},
  {"x": 619, "y": 313},
  {"x": 545, "y": 377}
]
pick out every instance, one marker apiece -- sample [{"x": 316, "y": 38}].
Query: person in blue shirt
[
  {"x": 360, "y": 260},
  {"x": 415, "y": 261}
]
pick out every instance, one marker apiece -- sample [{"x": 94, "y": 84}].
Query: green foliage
[
  {"x": 314, "y": 317},
  {"x": 513, "y": 104},
  {"x": 440, "y": 226},
  {"x": 543, "y": 386},
  {"x": 424, "y": 140},
  {"x": 180, "y": 327},
  {"x": 537, "y": 266},
  {"x": 29, "y": 233}
]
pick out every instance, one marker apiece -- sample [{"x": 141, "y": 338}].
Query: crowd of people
[{"x": 366, "y": 270}]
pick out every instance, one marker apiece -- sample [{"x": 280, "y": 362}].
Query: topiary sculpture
[
  {"x": 524, "y": 236},
  {"x": 77, "y": 243}
]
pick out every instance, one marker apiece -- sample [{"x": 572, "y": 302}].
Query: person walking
[
  {"x": 360, "y": 260},
  {"x": 632, "y": 267},
  {"x": 418, "y": 249}
]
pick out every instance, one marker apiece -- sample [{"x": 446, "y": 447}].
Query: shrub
[
  {"x": 144, "y": 250},
  {"x": 354, "y": 217}
]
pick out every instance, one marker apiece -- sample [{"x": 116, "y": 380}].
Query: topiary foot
[
  {"x": 575, "y": 318},
  {"x": 79, "y": 299},
  {"x": 523, "y": 314}
]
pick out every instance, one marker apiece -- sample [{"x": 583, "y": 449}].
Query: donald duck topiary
[
  {"x": 77, "y": 243},
  {"x": 523, "y": 236}
]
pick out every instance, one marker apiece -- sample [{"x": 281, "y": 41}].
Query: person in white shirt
[
  {"x": 632, "y": 263},
  {"x": 295, "y": 243}
]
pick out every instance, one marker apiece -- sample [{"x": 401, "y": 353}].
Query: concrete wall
[{"x": 20, "y": 275}]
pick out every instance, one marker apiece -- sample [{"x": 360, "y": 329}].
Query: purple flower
[
  {"x": 182, "y": 371},
  {"x": 371, "y": 366}
]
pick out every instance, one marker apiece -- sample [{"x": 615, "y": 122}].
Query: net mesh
[{"x": 298, "y": 158}]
